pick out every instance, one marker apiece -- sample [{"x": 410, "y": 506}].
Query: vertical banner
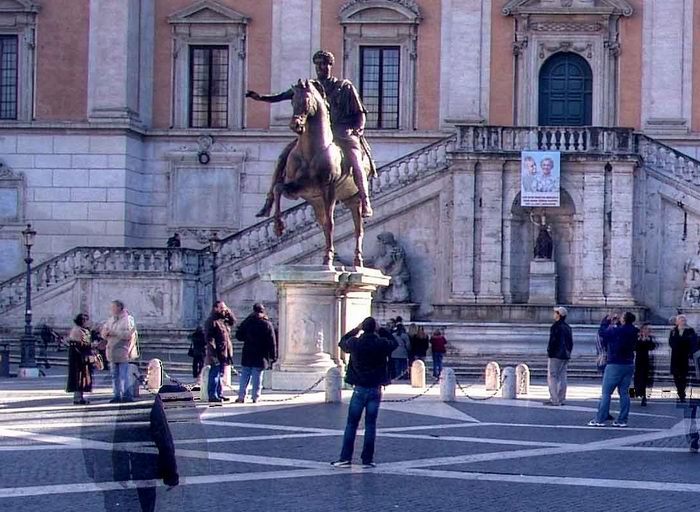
[{"x": 539, "y": 178}]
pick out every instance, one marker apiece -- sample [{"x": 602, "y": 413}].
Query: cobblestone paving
[{"x": 494, "y": 455}]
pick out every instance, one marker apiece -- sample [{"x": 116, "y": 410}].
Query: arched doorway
[{"x": 566, "y": 91}]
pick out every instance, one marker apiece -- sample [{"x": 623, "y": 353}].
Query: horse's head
[{"x": 304, "y": 104}]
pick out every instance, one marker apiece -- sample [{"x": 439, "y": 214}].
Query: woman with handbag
[{"x": 80, "y": 360}]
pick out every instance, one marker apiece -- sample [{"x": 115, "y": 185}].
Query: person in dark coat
[
  {"x": 620, "y": 342},
  {"x": 79, "y": 354},
  {"x": 219, "y": 350},
  {"x": 644, "y": 363},
  {"x": 259, "y": 351},
  {"x": 559, "y": 348},
  {"x": 420, "y": 342},
  {"x": 683, "y": 341},
  {"x": 197, "y": 351},
  {"x": 367, "y": 372}
]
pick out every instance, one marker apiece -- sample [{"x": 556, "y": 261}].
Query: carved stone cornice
[
  {"x": 566, "y": 46},
  {"x": 565, "y": 26},
  {"x": 616, "y": 7},
  {"x": 352, "y": 5}
]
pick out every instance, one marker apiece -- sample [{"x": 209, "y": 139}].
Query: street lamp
[
  {"x": 27, "y": 365},
  {"x": 214, "y": 247}
]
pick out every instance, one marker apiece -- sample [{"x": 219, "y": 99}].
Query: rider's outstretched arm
[{"x": 271, "y": 98}]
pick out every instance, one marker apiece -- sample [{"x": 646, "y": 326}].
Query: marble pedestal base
[
  {"x": 693, "y": 316},
  {"x": 543, "y": 282},
  {"x": 317, "y": 305},
  {"x": 383, "y": 311}
]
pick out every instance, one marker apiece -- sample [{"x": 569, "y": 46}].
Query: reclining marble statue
[{"x": 330, "y": 161}]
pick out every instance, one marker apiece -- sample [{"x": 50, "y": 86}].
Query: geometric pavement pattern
[{"x": 469, "y": 455}]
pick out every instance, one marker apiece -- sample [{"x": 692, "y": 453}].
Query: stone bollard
[
  {"x": 448, "y": 385},
  {"x": 154, "y": 375},
  {"x": 510, "y": 385},
  {"x": 204, "y": 388},
  {"x": 522, "y": 375},
  {"x": 334, "y": 386},
  {"x": 492, "y": 376},
  {"x": 418, "y": 374}
]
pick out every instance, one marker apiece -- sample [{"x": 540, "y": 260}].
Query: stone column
[
  {"x": 316, "y": 304},
  {"x": 590, "y": 285},
  {"x": 667, "y": 62},
  {"x": 489, "y": 197},
  {"x": 619, "y": 281},
  {"x": 463, "y": 231},
  {"x": 292, "y": 50},
  {"x": 118, "y": 30}
]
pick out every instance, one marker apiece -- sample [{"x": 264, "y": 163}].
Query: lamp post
[
  {"x": 214, "y": 247},
  {"x": 27, "y": 365}
]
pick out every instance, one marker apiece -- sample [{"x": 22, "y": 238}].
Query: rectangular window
[
  {"x": 379, "y": 85},
  {"x": 8, "y": 77},
  {"x": 208, "y": 87}
]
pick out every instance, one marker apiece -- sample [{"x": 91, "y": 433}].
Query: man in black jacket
[
  {"x": 259, "y": 351},
  {"x": 367, "y": 372},
  {"x": 559, "y": 349}
]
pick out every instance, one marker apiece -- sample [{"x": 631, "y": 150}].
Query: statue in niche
[
  {"x": 691, "y": 293},
  {"x": 544, "y": 245},
  {"x": 391, "y": 260}
]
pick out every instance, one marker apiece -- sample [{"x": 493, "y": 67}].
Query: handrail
[{"x": 87, "y": 260}]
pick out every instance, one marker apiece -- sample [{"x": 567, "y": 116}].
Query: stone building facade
[{"x": 107, "y": 105}]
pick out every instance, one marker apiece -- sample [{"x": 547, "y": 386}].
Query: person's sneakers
[
  {"x": 368, "y": 465},
  {"x": 619, "y": 424},
  {"x": 240, "y": 401},
  {"x": 595, "y": 423},
  {"x": 215, "y": 403},
  {"x": 225, "y": 399},
  {"x": 550, "y": 403},
  {"x": 341, "y": 464}
]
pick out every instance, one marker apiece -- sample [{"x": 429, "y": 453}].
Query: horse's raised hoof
[{"x": 279, "y": 227}]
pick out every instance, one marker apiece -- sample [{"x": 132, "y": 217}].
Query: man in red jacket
[{"x": 438, "y": 346}]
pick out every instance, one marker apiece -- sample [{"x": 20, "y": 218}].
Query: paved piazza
[{"x": 490, "y": 455}]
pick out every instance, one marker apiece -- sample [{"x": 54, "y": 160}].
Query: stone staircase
[{"x": 246, "y": 254}]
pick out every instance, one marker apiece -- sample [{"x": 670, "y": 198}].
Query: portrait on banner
[{"x": 540, "y": 178}]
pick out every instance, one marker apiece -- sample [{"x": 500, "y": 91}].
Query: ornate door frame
[{"x": 590, "y": 28}]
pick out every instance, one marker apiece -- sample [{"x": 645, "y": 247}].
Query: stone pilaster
[
  {"x": 489, "y": 199},
  {"x": 590, "y": 286},
  {"x": 292, "y": 50},
  {"x": 118, "y": 33},
  {"x": 619, "y": 281},
  {"x": 463, "y": 232}
]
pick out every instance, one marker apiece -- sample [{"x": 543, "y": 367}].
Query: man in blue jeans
[
  {"x": 259, "y": 349},
  {"x": 219, "y": 350},
  {"x": 367, "y": 372},
  {"x": 620, "y": 342}
]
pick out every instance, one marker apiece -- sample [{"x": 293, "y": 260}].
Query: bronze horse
[{"x": 315, "y": 171}]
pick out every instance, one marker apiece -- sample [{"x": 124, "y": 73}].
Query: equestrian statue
[{"x": 330, "y": 161}]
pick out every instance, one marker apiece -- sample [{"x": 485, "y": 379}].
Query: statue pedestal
[
  {"x": 692, "y": 313},
  {"x": 543, "y": 282},
  {"x": 383, "y": 311},
  {"x": 317, "y": 305}
]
